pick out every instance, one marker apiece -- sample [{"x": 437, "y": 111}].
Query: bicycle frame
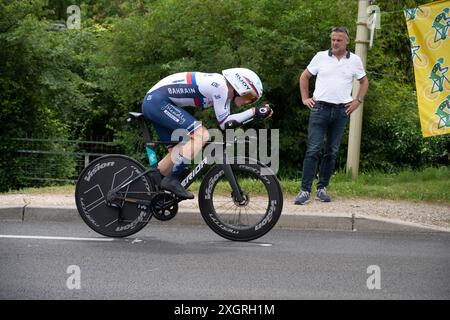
[{"x": 187, "y": 181}]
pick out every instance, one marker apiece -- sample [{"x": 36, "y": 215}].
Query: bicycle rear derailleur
[{"x": 164, "y": 206}]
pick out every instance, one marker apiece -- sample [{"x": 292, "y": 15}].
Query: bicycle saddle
[{"x": 135, "y": 115}]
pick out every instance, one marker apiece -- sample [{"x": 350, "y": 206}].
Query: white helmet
[{"x": 244, "y": 81}]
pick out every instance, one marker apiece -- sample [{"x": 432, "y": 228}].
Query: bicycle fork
[{"x": 237, "y": 192}]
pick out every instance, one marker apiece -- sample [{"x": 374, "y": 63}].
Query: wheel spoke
[{"x": 238, "y": 221}]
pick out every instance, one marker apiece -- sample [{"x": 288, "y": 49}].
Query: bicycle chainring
[{"x": 164, "y": 206}]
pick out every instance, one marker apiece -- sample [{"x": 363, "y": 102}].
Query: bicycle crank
[{"x": 164, "y": 206}]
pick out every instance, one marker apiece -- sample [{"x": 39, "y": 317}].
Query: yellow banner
[{"x": 429, "y": 33}]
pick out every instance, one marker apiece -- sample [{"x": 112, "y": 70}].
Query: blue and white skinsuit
[{"x": 163, "y": 104}]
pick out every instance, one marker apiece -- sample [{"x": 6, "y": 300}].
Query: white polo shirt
[{"x": 335, "y": 77}]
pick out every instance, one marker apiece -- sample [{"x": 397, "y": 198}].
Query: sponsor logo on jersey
[
  {"x": 181, "y": 90},
  {"x": 223, "y": 116},
  {"x": 173, "y": 113}
]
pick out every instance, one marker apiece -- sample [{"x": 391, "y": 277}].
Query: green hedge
[{"x": 78, "y": 84}]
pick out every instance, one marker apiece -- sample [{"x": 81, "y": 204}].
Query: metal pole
[{"x": 354, "y": 136}]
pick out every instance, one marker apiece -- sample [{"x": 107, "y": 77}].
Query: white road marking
[{"x": 54, "y": 238}]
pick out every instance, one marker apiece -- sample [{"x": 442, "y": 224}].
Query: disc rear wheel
[{"x": 112, "y": 215}]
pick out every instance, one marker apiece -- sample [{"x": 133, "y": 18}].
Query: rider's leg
[
  {"x": 177, "y": 159},
  {"x": 167, "y": 119},
  {"x": 166, "y": 164},
  {"x": 188, "y": 150}
]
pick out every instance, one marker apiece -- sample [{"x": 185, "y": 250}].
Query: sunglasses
[{"x": 340, "y": 29}]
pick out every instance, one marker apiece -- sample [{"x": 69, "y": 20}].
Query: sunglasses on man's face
[{"x": 340, "y": 29}]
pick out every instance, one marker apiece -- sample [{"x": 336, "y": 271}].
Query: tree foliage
[{"x": 80, "y": 84}]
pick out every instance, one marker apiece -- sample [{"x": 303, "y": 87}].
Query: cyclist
[{"x": 163, "y": 105}]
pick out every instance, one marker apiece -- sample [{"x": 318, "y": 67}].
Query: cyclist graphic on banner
[
  {"x": 428, "y": 30},
  {"x": 419, "y": 59},
  {"x": 414, "y": 48},
  {"x": 443, "y": 112},
  {"x": 441, "y": 24},
  {"x": 437, "y": 75}
]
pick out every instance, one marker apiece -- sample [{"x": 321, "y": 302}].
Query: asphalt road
[{"x": 191, "y": 262}]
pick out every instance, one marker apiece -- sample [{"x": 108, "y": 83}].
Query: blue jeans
[{"x": 324, "y": 120}]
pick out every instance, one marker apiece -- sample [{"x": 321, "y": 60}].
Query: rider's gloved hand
[{"x": 263, "y": 111}]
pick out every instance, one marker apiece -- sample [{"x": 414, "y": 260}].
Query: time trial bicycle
[{"x": 240, "y": 199}]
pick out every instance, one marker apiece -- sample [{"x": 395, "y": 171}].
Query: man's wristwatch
[{"x": 360, "y": 99}]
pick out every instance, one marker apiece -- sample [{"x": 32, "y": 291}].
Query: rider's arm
[
  {"x": 238, "y": 117},
  {"x": 222, "y": 107},
  {"x": 223, "y": 114},
  {"x": 235, "y": 120}
]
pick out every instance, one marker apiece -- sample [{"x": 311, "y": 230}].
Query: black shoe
[{"x": 172, "y": 184}]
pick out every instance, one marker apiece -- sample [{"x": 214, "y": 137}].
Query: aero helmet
[{"x": 244, "y": 81}]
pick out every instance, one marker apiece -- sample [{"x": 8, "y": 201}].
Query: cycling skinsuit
[{"x": 163, "y": 104}]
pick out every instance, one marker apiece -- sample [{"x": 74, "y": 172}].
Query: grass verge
[{"x": 431, "y": 184}]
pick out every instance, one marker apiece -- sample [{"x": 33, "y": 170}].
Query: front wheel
[{"x": 249, "y": 219}]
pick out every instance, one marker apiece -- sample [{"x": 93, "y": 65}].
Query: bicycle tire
[
  {"x": 250, "y": 223},
  {"x": 93, "y": 185}
]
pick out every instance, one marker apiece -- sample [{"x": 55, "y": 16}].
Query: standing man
[{"x": 330, "y": 108}]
